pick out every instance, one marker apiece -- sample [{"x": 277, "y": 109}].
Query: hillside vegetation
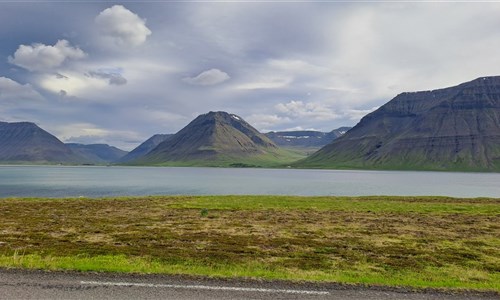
[
  {"x": 451, "y": 129},
  {"x": 218, "y": 139}
]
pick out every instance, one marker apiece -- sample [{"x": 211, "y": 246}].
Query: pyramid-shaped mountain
[
  {"x": 217, "y": 139},
  {"x": 26, "y": 142},
  {"x": 452, "y": 129},
  {"x": 145, "y": 147}
]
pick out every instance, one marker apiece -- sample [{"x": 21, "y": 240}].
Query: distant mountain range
[
  {"x": 25, "y": 142},
  {"x": 307, "y": 139},
  {"x": 145, "y": 147},
  {"x": 452, "y": 129},
  {"x": 97, "y": 153},
  {"x": 217, "y": 139}
]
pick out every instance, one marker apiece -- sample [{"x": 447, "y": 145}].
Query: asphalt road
[{"x": 19, "y": 284}]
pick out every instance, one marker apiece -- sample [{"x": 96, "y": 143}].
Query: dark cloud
[
  {"x": 12, "y": 91},
  {"x": 113, "y": 78},
  {"x": 60, "y": 76}
]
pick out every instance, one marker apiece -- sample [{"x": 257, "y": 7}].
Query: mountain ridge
[
  {"x": 450, "y": 129},
  {"x": 305, "y": 139},
  {"x": 25, "y": 142},
  {"x": 144, "y": 147}
]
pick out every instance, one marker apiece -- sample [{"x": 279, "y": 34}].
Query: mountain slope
[
  {"x": 97, "y": 153},
  {"x": 26, "y": 142},
  {"x": 456, "y": 128},
  {"x": 145, "y": 147},
  {"x": 217, "y": 139},
  {"x": 305, "y": 139}
]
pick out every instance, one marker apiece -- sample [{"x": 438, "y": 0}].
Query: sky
[{"x": 119, "y": 72}]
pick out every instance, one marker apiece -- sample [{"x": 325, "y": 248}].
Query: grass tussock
[{"x": 404, "y": 241}]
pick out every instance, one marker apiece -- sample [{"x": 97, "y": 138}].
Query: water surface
[{"x": 62, "y": 181}]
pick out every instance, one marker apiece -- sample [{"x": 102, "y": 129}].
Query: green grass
[
  {"x": 412, "y": 162},
  {"x": 418, "y": 242},
  {"x": 277, "y": 158}
]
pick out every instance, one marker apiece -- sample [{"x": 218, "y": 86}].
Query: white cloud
[
  {"x": 357, "y": 114},
  {"x": 72, "y": 83},
  {"x": 209, "y": 77},
  {"x": 271, "y": 82},
  {"x": 122, "y": 26},
  {"x": 302, "y": 109},
  {"x": 87, "y": 133},
  {"x": 40, "y": 57},
  {"x": 81, "y": 129},
  {"x": 280, "y": 74},
  {"x": 11, "y": 90},
  {"x": 297, "y": 66},
  {"x": 265, "y": 121}
]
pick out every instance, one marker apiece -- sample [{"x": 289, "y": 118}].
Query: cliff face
[
  {"x": 26, "y": 142},
  {"x": 456, "y": 128}
]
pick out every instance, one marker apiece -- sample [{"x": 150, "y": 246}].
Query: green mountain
[
  {"x": 450, "y": 129},
  {"x": 25, "y": 142},
  {"x": 305, "y": 140},
  {"x": 145, "y": 147},
  {"x": 97, "y": 153},
  {"x": 218, "y": 139}
]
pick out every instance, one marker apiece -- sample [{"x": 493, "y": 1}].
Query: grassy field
[{"x": 396, "y": 241}]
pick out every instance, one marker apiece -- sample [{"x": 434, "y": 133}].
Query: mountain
[
  {"x": 217, "y": 139},
  {"x": 145, "y": 147},
  {"x": 450, "y": 129},
  {"x": 25, "y": 142},
  {"x": 306, "y": 139},
  {"x": 97, "y": 153}
]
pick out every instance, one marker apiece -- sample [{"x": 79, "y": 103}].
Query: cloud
[
  {"x": 306, "y": 109},
  {"x": 122, "y": 26},
  {"x": 88, "y": 133},
  {"x": 297, "y": 66},
  {"x": 11, "y": 90},
  {"x": 40, "y": 57},
  {"x": 272, "y": 82},
  {"x": 335, "y": 60},
  {"x": 209, "y": 77},
  {"x": 357, "y": 114},
  {"x": 265, "y": 121},
  {"x": 113, "y": 78},
  {"x": 72, "y": 83}
]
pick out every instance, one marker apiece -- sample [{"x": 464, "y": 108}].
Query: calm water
[{"x": 52, "y": 181}]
